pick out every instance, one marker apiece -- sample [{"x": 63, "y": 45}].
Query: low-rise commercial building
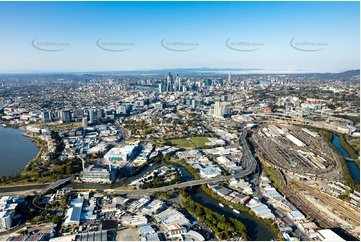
[
  {"x": 209, "y": 172},
  {"x": 93, "y": 174},
  {"x": 73, "y": 214},
  {"x": 120, "y": 155},
  {"x": 134, "y": 220}
]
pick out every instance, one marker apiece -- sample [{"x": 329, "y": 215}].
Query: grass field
[
  {"x": 199, "y": 141},
  {"x": 181, "y": 143},
  {"x": 190, "y": 143},
  {"x": 56, "y": 126},
  {"x": 65, "y": 126}
]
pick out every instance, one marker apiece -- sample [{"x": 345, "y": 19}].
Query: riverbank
[
  {"x": 17, "y": 151},
  {"x": 29, "y": 184},
  {"x": 10, "y": 181},
  {"x": 42, "y": 171},
  {"x": 351, "y": 165},
  {"x": 349, "y": 149},
  {"x": 345, "y": 169},
  {"x": 224, "y": 228},
  {"x": 328, "y": 136},
  {"x": 256, "y": 229},
  {"x": 242, "y": 208}
]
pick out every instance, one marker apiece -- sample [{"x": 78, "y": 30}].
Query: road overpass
[
  {"x": 54, "y": 185},
  {"x": 142, "y": 192},
  {"x": 26, "y": 190}
]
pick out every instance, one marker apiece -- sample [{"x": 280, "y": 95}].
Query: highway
[
  {"x": 142, "y": 192},
  {"x": 260, "y": 195}
]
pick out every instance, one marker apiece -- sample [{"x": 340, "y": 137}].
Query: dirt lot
[{"x": 127, "y": 235}]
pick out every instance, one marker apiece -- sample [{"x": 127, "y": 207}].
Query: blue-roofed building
[
  {"x": 77, "y": 202},
  {"x": 296, "y": 216},
  {"x": 147, "y": 229},
  {"x": 152, "y": 237},
  {"x": 73, "y": 216},
  {"x": 272, "y": 193},
  {"x": 209, "y": 172}
]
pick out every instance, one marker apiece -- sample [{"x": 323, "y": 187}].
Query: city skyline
[
  {"x": 254, "y": 37},
  {"x": 190, "y": 146}
]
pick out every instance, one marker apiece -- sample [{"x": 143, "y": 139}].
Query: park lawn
[
  {"x": 65, "y": 126},
  {"x": 198, "y": 142},
  {"x": 182, "y": 143}
]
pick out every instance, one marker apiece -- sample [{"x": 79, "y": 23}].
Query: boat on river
[{"x": 221, "y": 205}]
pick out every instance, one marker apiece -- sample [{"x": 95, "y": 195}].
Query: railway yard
[
  {"x": 297, "y": 149},
  {"x": 309, "y": 172}
]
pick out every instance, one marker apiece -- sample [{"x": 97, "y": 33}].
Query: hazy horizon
[{"x": 220, "y": 71}]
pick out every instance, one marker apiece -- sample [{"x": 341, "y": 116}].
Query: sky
[{"x": 292, "y": 37}]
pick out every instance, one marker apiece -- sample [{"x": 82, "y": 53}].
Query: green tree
[{"x": 55, "y": 219}]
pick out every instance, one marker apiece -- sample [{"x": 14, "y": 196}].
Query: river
[
  {"x": 352, "y": 167},
  {"x": 263, "y": 82},
  {"x": 16, "y": 150},
  {"x": 148, "y": 88}
]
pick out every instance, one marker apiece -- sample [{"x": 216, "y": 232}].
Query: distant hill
[
  {"x": 349, "y": 74},
  {"x": 353, "y": 75}
]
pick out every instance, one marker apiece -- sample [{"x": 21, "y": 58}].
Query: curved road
[{"x": 142, "y": 192}]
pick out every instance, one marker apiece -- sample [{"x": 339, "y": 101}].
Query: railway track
[
  {"x": 297, "y": 200},
  {"x": 338, "y": 205}
]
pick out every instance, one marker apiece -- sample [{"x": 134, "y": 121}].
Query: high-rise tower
[
  {"x": 218, "y": 110},
  {"x": 169, "y": 83}
]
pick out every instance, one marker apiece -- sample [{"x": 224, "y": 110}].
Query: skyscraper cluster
[{"x": 171, "y": 84}]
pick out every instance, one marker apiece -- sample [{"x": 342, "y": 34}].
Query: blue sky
[{"x": 325, "y": 34}]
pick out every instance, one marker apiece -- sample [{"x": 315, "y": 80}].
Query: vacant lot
[{"x": 127, "y": 235}]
